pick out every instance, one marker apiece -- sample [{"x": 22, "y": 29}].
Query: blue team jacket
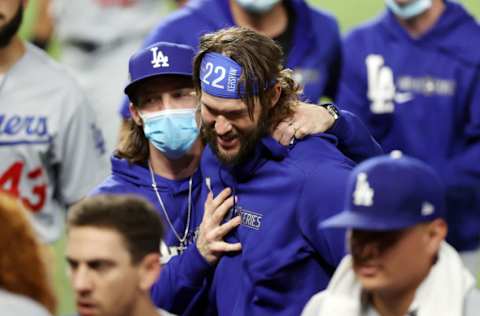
[
  {"x": 314, "y": 54},
  {"x": 423, "y": 96},
  {"x": 282, "y": 194}
]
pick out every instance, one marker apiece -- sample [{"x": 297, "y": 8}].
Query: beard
[
  {"x": 248, "y": 141},
  {"x": 8, "y": 31}
]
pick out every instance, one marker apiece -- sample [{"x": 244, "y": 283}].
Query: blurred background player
[
  {"x": 414, "y": 79},
  {"x": 309, "y": 37},
  {"x": 399, "y": 262},
  {"x": 113, "y": 255},
  {"x": 97, "y": 37},
  {"x": 51, "y": 149},
  {"x": 25, "y": 287}
]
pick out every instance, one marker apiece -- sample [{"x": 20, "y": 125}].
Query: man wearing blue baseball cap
[
  {"x": 400, "y": 263},
  {"x": 158, "y": 159}
]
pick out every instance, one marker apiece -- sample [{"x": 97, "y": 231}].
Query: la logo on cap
[
  {"x": 363, "y": 194},
  {"x": 158, "y": 58},
  {"x": 427, "y": 209}
]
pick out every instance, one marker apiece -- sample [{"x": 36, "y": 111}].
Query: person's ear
[
  {"x": 276, "y": 93},
  {"x": 149, "y": 271},
  {"x": 436, "y": 233},
  {"x": 135, "y": 114}
]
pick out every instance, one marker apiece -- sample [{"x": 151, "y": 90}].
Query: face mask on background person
[
  {"x": 257, "y": 6},
  {"x": 172, "y": 131},
  {"x": 409, "y": 10}
]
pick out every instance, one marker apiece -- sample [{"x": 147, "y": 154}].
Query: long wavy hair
[
  {"x": 134, "y": 145},
  {"x": 22, "y": 266},
  {"x": 261, "y": 59}
]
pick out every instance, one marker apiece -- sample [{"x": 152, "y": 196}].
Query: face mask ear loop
[
  {"x": 198, "y": 117},
  {"x": 142, "y": 117}
]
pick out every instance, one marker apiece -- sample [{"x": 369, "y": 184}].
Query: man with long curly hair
[{"x": 270, "y": 197}]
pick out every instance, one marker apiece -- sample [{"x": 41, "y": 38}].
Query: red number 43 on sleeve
[{"x": 10, "y": 183}]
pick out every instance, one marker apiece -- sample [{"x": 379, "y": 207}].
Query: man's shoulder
[
  {"x": 365, "y": 31},
  {"x": 462, "y": 38},
  {"x": 320, "y": 18},
  {"x": 314, "y": 305},
  {"x": 112, "y": 185},
  {"x": 319, "y": 150},
  {"x": 125, "y": 178},
  {"x": 42, "y": 67},
  {"x": 323, "y": 167},
  {"x": 197, "y": 16},
  {"x": 42, "y": 78},
  {"x": 13, "y": 304},
  {"x": 472, "y": 302}
]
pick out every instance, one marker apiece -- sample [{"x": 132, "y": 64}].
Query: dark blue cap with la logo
[
  {"x": 390, "y": 192},
  {"x": 159, "y": 59}
]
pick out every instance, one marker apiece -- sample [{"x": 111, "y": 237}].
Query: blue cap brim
[
  {"x": 355, "y": 220},
  {"x": 128, "y": 88}
]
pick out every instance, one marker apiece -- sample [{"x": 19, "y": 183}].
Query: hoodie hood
[
  {"x": 455, "y": 33},
  {"x": 217, "y": 14},
  {"x": 138, "y": 175}
]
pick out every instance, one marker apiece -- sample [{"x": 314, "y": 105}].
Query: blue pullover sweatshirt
[
  {"x": 422, "y": 96},
  {"x": 283, "y": 194},
  {"x": 314, "y": 54},
  {"x": 186, "y": 274}
]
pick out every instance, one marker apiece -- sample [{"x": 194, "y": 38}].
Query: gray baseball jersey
[
  {"x": 12, "y": 304},
  {"x": 104, "y": 21},
  {"x": 50, "y": 147}
]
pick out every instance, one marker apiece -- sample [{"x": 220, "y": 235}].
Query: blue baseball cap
[
  {"x": 390, "y": 192},
  {"x": 160, "y": 59}
]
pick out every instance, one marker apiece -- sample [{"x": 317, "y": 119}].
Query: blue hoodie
[
  {"x": 183, "y": 283},
  {"x": 314, "y": 54},
  {"x": 184, "y": 274},
  {"x": 422, "y": 96},
  {"x": 282, "y": 194}
]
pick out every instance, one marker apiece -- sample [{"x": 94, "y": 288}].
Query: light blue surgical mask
[
  {"x": 257, "y": 6},
  {"x": 172, "y": 132},
  {"x": 410, "y": 10}
]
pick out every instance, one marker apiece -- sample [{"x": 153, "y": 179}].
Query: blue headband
[{"x": 220, "y": 76}]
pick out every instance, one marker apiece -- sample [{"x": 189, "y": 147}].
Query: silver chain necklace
[{"x": 182, "y": 240}]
